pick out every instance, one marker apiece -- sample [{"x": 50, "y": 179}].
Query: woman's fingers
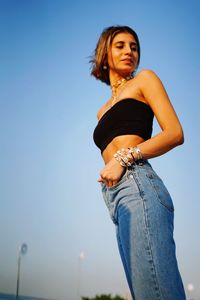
[
  {"x": 111, "y": 183},
  {"x": 100, "y": 179},
  {"x": 108, "y": 183}
]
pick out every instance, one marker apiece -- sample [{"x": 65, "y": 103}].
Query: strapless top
[{"x": 127, "y": 116}]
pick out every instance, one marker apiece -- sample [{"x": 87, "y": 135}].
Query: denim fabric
[{"x": 143, "y": 212}]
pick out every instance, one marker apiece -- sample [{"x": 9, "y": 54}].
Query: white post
[
  {"x": 22, "y": 250},
  {"x": 190, "y": 289},
  {"x": 80, "y": 259}
]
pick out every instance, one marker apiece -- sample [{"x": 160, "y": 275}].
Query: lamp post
[
  {"x": 22, "y": 251},
  {"x": 190, "y": 288},
  {"x": 81, "y": 257}
]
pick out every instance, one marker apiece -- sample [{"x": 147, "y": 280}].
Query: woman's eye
[{"x": 119, "y": 47}]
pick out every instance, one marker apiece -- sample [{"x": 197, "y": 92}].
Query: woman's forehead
[{"x": 123, "y": 36}]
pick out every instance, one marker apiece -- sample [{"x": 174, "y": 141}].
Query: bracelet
[
  {"x": 139, "y": 153},
  {"x": 121, "y": 158},
  {"x": 118, "y": 158},
  {"x": 125, "y": 157}
]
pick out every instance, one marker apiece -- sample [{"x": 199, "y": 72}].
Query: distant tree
[
  {"x": 104, "y": 297},
  {"x": 117, "y": 297}
]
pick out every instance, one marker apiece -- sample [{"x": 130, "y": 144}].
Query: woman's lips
[{"x": 127, "y": 60}]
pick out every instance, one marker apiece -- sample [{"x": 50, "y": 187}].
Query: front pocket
[{"x": 122, "y": 179}]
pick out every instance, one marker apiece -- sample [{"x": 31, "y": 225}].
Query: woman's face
[{"x": 123, "y": 54}]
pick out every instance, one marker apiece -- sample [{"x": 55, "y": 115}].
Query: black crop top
[{"x": 127, "y": 116}]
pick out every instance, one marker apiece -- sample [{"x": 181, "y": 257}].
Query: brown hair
[{"x": 99, "y": 65}]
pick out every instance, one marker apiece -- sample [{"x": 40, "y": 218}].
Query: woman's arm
[{"x": 156, "y": 96}]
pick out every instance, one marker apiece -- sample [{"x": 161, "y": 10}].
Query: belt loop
[
  {"x": 128, "y": 171},
  {"x": 141, "y": 162}
]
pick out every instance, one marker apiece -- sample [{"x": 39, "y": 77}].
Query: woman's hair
[{"x": 99, "y": 63}]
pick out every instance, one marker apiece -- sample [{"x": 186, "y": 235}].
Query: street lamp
[
  {"x": 190, "y": 288},
  {"x": 81, "y": 257},
  {"x": 22, "y": 251}
]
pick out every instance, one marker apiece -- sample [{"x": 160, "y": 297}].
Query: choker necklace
[{"x": 118, "y": 84}]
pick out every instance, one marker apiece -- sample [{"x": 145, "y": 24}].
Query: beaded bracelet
[
  {"x": 126, "y": 158},
  {"x": 138, "y": 152},
  {"x": 122, "y": 158}
]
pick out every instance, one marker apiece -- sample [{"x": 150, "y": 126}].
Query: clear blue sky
[{"x": 49, "y": 166}]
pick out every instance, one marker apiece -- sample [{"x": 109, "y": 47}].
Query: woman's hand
[{"x": 111, "y": 173}]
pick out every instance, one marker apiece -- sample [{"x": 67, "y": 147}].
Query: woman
[{"x": 139, "y": 203}]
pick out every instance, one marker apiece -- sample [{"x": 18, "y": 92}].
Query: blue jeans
[{"x": 143, "y": 212}]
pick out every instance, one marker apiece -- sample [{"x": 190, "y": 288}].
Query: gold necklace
[{"x": 118, "y": 84}]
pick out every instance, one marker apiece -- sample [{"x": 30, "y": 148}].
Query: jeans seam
[
  {"x": 141, "y": 192},
  {"x": 150, "y": 253},
  {"x": 154, "y": 277},
  {"x": 124, "y": 259}
]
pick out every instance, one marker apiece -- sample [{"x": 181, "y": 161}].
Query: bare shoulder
[
  {"x": 147, "y": 74},
  {"x": 148, "y": 80},
  {"x": 151, "y": 86}
]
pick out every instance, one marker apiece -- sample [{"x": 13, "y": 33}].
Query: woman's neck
[
  {"x": 116, "y": 86},
  {"x": 116, "y": 79}
]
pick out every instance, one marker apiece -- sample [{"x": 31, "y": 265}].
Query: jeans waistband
[{"x": 141, "y": 162}]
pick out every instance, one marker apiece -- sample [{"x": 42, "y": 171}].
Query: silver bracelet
[{"x": 137, "y": 150}]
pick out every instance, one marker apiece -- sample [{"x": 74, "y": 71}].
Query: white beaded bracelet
[{"x": 126, "y": 158}]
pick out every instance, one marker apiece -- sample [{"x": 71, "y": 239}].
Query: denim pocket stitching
[
  {"x": 151, "y": 177},
  {"x": 138, "y": 184}
]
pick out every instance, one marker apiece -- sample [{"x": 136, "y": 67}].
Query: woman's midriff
[{"x": 123, "y": 141}]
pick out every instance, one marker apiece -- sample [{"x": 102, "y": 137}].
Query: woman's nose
[{"x": 127, "y": 49}]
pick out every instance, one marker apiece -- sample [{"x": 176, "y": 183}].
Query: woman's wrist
[
  {"x": 127, "y": 157},
  {"x": 121, "y": 157}
]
